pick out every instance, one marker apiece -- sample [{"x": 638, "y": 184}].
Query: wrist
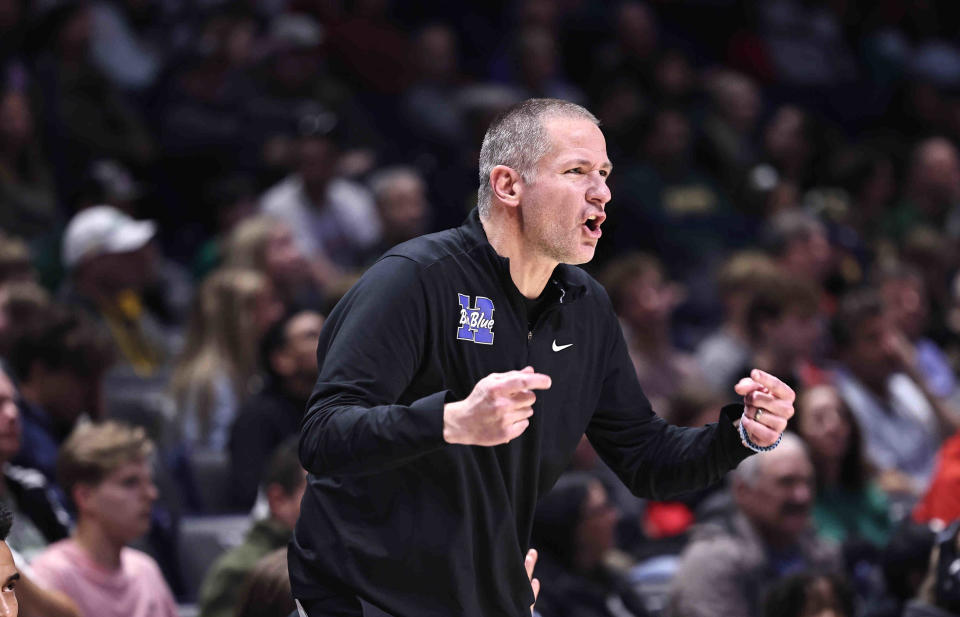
[
  {"x": 749, "y": 443},
  {"x": 449, "y": 424}
]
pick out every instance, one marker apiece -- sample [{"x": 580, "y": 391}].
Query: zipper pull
[{"x": 529, "y": 336}]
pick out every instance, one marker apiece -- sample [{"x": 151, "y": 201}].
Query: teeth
[{"x": 592, "y": 218}]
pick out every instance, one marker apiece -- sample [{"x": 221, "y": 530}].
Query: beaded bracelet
[{"x": 746, "y": 441}]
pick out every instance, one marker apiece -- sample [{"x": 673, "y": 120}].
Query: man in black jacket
[{"x": 429, "y": 435}]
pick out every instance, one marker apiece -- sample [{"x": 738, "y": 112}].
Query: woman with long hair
[
  {"x": 850, "y": 504},
  {"x": 217, "y": 369}
]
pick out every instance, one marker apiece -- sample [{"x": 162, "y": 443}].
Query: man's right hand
[{"x": 497, "y": 411}]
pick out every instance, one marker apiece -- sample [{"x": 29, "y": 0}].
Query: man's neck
[
  {"x": 97, "y": 544},
  {"x": 530, "y": 272}
]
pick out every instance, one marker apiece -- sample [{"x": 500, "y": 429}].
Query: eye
[
  {"x": 10, "y": 586},
  {"x": 577, "y": 170},
  {"x": 604, "y": 173}
]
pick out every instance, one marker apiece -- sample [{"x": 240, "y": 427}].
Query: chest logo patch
[{"x": 476, "y": 322}]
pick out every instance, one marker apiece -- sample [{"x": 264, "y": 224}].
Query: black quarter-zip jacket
[{"x": 419, "y": 527}]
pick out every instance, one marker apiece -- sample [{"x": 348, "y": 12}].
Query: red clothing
[{"x": 942, "y": 500}]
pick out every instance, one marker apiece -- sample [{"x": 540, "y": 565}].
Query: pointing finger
[
  {"x": 746, "y": 385},
  {"x": 524, "y": 381},
  {"x": 774, "y": 385}
]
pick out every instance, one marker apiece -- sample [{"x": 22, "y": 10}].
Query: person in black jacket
[{"x": 429, "y": 435}]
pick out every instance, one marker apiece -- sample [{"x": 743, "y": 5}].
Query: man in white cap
[{"x": 110, "y": 261}]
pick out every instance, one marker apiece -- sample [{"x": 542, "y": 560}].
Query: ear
[
  {"x": 507, "y": 185},
  {"x": 81, "y": 496}
]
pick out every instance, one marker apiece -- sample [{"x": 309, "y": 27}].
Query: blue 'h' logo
[{"x": 476, "y": 324}]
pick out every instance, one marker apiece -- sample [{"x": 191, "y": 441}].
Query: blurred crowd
[{"x": 188, "y": 187}]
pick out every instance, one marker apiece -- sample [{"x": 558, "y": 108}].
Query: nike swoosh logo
[{"x": 560, "y": 347}]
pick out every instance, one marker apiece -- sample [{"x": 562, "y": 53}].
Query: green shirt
[
  {"x": 221, "y": 586},
  {"x": 839, "y": 514}
]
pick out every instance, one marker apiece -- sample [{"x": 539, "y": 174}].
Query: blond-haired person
[
  {"x": 216, "y": 372},
  {"x": 105, "y": 469}
]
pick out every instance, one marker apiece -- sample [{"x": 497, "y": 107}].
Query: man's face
[
  {"x": 569, "y": 187},
  {"x": 121, "y": 502},
  {"x": 905, "y": 301},
  {"x": 9, "y": 575},
  {"x": 9, "y": 420},
  {"x": 779, "y": 501},
  {"x": 404, "y": 208},
  {"x": 795, "y": 334},
  {"x": 67, "y": 395},
  {"x": 302, "y": 334},
  {"x": 870, "y": 355}
]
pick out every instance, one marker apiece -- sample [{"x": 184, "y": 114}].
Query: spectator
[
  {"x": 268, "y": 245},
  {"x": 26, "y": 185},
  {"x": 645, "y": 300},
  {"x": 401, "y": 197},
  {"x": 905, "y": 560},
  {"x": 849, "y": 504},
  {"x": 728, "y": 566},
  {"x": 266, "y": 590},
  {"x": 121, "y": 47},
  {"x": 39, "y": 517},
  {"x": 21, "y": 306},
  {"x": 723, "y": 353},
  {"x": 573, "y": 530},
  {"x": 538, "y": 71},
  {"x": 938, "y": 595},
  {"x": 785, "y": 329},
  {"x": 932, "y": 191},
  {"x": 59, "y": 364},
  {"x": 431, "y": 106},
  {"x": 799, "y": 244},
  {"x": 15, "y": 263},
  {"x": 903, "y": 422},
  {"x": 334, "y": 219},
  {"x": 288, "y": 354},
  {"x": 903, "y": 291},
  {"x": 86, "y": 116},
  {"x": 232, "y": 311},
  {"x": 730, "y": 142},
  {"x": 790, "y": 146},
  {"x": 671, "y": 206},
  {"x": 810, "y": 594},
  {"x": 105, "y": 470},
  {"x": 109, "y": 266},
  {"x": 284, "y": 482}
]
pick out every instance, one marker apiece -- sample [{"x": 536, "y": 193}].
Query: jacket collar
[{"x": 562, "y": 282}]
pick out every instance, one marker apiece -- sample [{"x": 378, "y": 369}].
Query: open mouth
[{"x": 593, "y": 223}]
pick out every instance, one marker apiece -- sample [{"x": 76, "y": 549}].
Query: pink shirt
[{"x": 136, "y": 589}]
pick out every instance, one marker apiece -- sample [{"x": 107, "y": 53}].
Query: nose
[
  {"x": 802, "y": 492},
  {"x": 599, "y": 193}
]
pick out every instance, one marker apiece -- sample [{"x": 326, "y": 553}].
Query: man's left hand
[{"x": 769, "y": 398}]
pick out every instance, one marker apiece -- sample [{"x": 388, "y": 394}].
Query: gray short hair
[
  {"x": 749, "y": 470},
  {"x": 517, "y": 139}
]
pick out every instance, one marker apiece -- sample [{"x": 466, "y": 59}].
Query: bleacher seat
[{"x": 203, "y": 539}]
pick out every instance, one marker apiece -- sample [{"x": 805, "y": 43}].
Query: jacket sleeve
[
  {"x": 654, "y": 459},
  {"x": 370, "y": 349}
]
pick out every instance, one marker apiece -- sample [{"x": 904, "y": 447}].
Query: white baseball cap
[{"x": 103, "y": 230}]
